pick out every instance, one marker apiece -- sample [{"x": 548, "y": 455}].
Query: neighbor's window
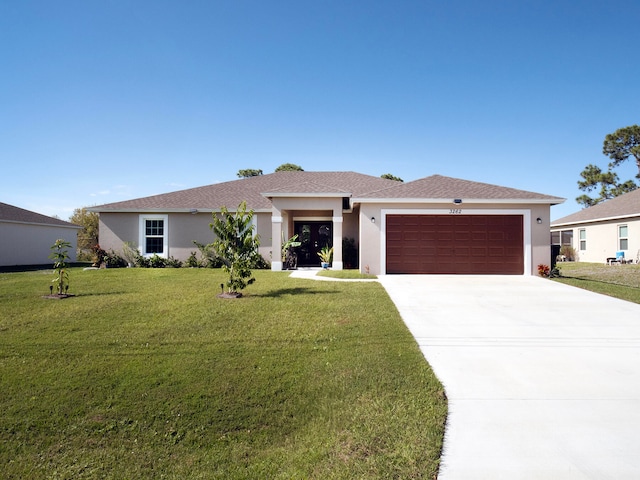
[
  {"x": 583, "y": 239},
  {"x": 623, "y": 237},
  {"x": 153, "y": 234},
  {"x": 566, "y": 237}
]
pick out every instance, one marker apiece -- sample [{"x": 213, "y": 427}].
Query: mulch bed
[
  {"x": 229, "y": 295},
  {"x": 59, "y": 296}
]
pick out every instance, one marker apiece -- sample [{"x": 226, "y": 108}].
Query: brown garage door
[{"x": 464, "y": 244}]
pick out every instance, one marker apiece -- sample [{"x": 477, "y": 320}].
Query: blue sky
[{"x": 103, "y": 101}]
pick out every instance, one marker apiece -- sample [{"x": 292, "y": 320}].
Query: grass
[
  {"x": 346, "y": 274},
  {"x": 146, "y": 374},
  {"x": 620, "y": 281}
]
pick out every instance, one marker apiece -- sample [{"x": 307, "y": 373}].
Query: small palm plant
[
  {"x": 60, "y": 255},
  {"x": 326, "y": 255}
]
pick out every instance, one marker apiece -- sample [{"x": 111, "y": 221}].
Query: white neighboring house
[
  {"x": 26, "y": 237},
  {"x": 598, "y": 233}
]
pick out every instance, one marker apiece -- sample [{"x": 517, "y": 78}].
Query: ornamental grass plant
[{"x": 146, "y": 374}]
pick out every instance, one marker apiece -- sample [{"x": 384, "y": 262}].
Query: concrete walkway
[{"x": 543, "y": 380}]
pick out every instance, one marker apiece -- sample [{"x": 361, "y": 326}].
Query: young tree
[
  {"x": 618, "y": 146},
  {"x": 249, "y": 172},
  {"x": 60, "y": 255},
  {"x": 289, "y": 167},
  {"x": 388, "y": 176},
  {"x": 88, "y": 236},
  {"x": 236, "y": 246}
]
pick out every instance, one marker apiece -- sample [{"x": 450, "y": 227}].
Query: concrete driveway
[{"x": 543, "y": 380}]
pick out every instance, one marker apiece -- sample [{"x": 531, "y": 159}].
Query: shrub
[
  {"x": 156, "y": 261},
  {"x": 568, "y": 252},
  {"x": 98, "y": 255},
  {"x": 209, "y": 257},
  {"x": 193, "y": 261},
  {"x": 130, "y": 252},
  {"x": 173, "y": 262},
  {"x": 142, "y": 261},
  {"x": 112, "y": 260}
]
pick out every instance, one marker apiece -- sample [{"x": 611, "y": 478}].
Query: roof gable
[
  {"x": 251, "y": 190},
  {"x": 627, "y": 205},
  {"x": 438, "y": 187}
]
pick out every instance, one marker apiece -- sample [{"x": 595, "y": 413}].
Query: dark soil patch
[
  {"x": 59, "y": 296},
  {"x": 229, "y": 295}
]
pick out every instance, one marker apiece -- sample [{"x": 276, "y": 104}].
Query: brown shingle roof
[
  {"x": 9, "y": 213},
  {"x": 230, "y": 194},
  {"x": 440, "y": 187},
  {"x": 356, "y": 185},
  {"x": 627, "y": 205}
]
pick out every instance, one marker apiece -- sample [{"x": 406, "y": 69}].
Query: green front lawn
[
  {"x": 146, "y": 374},
  {"x": 620, "y": 281}
]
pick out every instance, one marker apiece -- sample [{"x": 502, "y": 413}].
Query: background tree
[
  {"x": 608, "y": 182},
  {"x": 236, "y": 246},
  {"x": 618, "y": 146},
  {"x": 388, "y": 176},
  {"x": 249, "y": 172},
  {"x": 289, "y": 167},
  {"x": 88, "y": 236},
  {"x": 622, "y": 144}
]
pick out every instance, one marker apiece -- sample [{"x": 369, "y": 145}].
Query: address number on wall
[{"x": 455, "y": 211}]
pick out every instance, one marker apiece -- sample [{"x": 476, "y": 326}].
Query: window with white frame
[
  {"x": 582, "y": 235},
  {"x": 153, "y": 235},
  {"x": 623, "y": 237}
]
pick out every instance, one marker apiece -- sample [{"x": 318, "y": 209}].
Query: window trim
[
  {"x": 582, "y": 239},
  {"x": 621, "y": 238},
  {"x": 142, "y": 237}
]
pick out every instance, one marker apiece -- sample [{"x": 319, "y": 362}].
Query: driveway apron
[{"x": 543, "y": 379}]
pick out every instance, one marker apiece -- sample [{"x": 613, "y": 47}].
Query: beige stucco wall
[
  {"x": 602, "y": 240},
  {"x": 182, "y": 230},
  {"x": 536, "y": 236},
  {"x": 30, "y": 244}
]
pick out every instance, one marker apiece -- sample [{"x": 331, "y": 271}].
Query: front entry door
[{"x": 313, "y": 236}]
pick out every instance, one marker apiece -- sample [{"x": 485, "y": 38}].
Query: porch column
[
  {"x": 276, "y": 241},
  {"x": 337, "y": 241}
]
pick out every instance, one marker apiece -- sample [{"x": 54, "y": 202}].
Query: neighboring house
[
  {"x": 26, "y": 237},
  {"x": 599, "y": 232},
  {"x": 433, "y": 225}
]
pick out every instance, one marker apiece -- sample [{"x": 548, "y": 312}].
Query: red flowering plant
[{"x": 544, "y": 270}]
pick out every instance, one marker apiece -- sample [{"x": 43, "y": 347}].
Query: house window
[
  {"x": 564, "y": 237},
  {"x": 153, "y": 235},
  {"x": 623, "y": 237},
  {"x": 583, "y": 239}
]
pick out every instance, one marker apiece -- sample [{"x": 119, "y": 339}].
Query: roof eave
[
  {"x": 596, "y": 220},
  {"x": 42, "y": 224},
  {"x": 168, "y": 210},
  {"x": 537, "y": 201}
]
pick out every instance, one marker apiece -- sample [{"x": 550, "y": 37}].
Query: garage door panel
[{"x": 463, "y": 244}]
